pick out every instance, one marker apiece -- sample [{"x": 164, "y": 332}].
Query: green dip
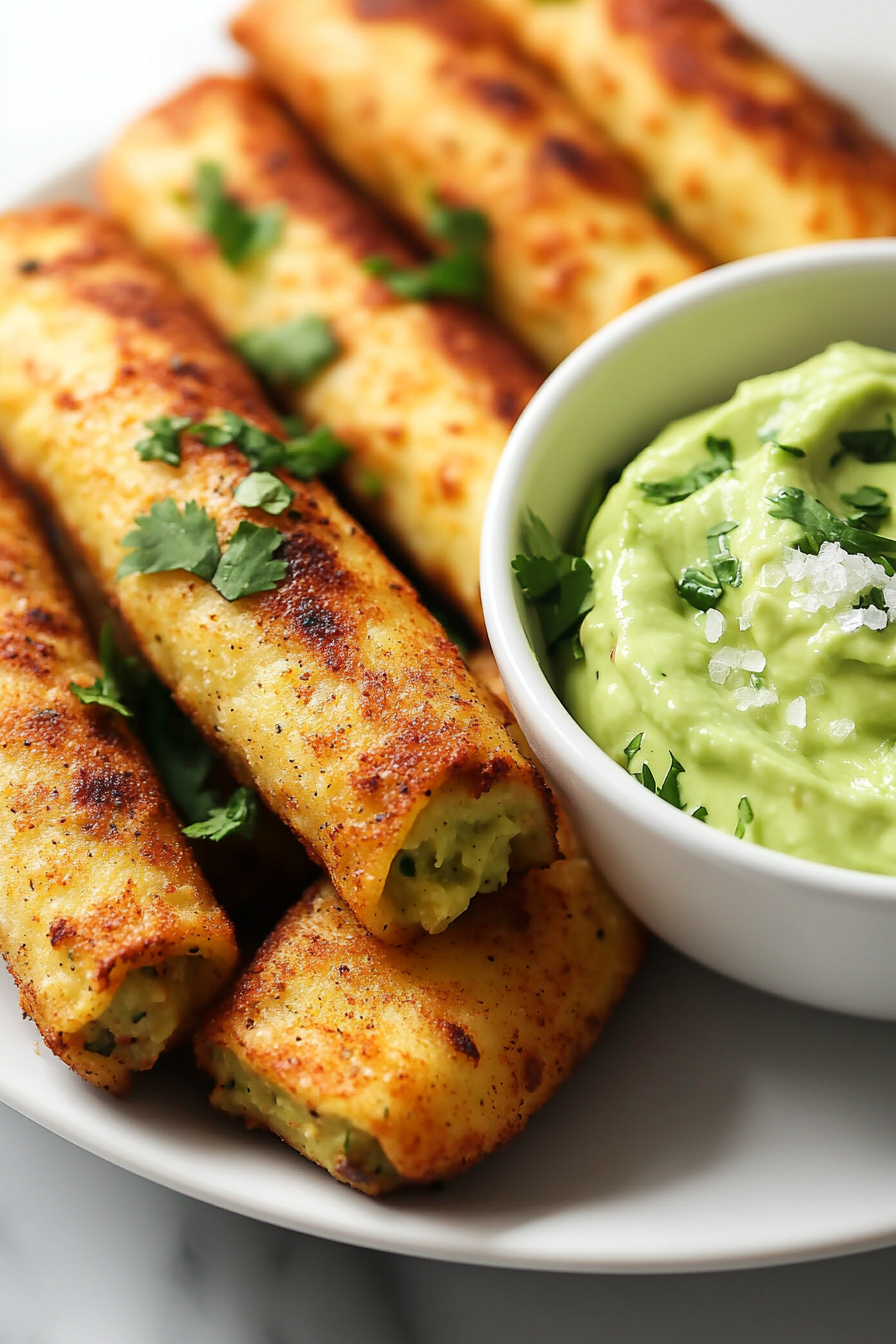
[{"x": 784, "y": 692}]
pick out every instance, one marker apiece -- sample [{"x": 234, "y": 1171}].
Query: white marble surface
[{"x": 89, "y": 1253}]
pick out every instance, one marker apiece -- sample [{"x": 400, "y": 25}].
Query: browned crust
[
  {"x": 338, "y": 591},
  {"x": 83, "y": 798},
  {"x": 289, "y": 168},
  {"x": 698, "y": 52}
]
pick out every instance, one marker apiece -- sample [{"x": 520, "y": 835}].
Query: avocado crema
[{"x": 743, "y": 630}]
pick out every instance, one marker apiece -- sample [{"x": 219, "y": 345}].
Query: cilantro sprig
[
  {"x": 105, "y": 689},
  {"x": 703, "y": 590},
  {"x": 721, "y": 459},
  {"x": 290, "y": 352},
  {"x": 699, "y": 589},
  {"x": 558, "y": 586},
  {"x": 820, "y": 525},
  {"x": 163, "y": 443},
  {"x": 305, "y": 455},
  {"x": 239, "y": 233},
  {"x": 670, "y": 789},
  {"x": 460, "y": 273},
  {"x": 871, "y": 446},
  {"x": 182, "y": 759}
]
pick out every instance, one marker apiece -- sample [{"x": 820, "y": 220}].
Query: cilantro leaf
[
  {"x": 235, "y": 817},
  {"x": 313, "y": 453},
  {"x": 820, "y": 525},
  {"x": 290, "y": 352},
  {"x": 721, "y": 459},
  {"x": 461, "y": 273},
  {"x": 700, "y": 813},
  {"x": 239, "y": 233},
  {"x": 247, "y": 565},
  {"x": 163, "y": 444},
  {"x": 645, "y": 776},
  {"x": 744, "y": 818},
  {"x": 727, "y": 569},
  {"x": 868, "y": 445},
  {"x": 261, "y": 490},
  {"x": 786, "y": 448},
  {"x": 872, "y": 504},
  {"x": 700, "y": 589},
  {"x": 633, "y": 748},
  {"x": 669, "y": 790},
  {"x": 166, "y": 539},
  {"x": 556, "y": 584},
  {"x": 105, "y": 689},
  {"x": 261, "y": 450}
]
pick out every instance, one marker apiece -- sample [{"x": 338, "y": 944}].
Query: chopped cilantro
[
  {"x": 820, "y": 525},
  {"x": 557, "y": 585},
  {"x": 261, "y": 450},
  {"x": 314, "y": 452},
  {"x": 103, "y": 1043},
  {"x": 462, "y": 273},
  {"x": 700, "y": 813},
  {"x": 787, "y": 448},
  {"x": 727, "y": 569},
  {"x": 633, "y": 748},
  {"x": 247, "y": 565},
  {"x": 105, "y": 689},
  {"x": 235, "y": 817},
  {"x": 290, "y": 352},
  {"x": 868, "y": 445},
  {"x": 166, "y": 539},
  {"x": 721, "y": 459},
  {"x": 872, "y": 505},
  {"x": 744, "y": 817},
  {"x": 163, "y": 443},
  {"x": 700, "y": 589},
  {"x": 239, "y": 233},
  {"x": 371, "y": 484},
  {"x": 261, "y": 490},
  {"x": 669, "y": 790}
]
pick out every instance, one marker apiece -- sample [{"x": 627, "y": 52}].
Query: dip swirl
[{"x": 757, "y": 650}]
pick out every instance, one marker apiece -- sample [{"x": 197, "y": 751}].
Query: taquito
[
  {"x": 421, "y": 102},
  {"x": 106, "y": 923},
  {"x": 393, "y": 1065},
  {"x": 329, "y": 687},
  {"x": 425, "y": 393},
  {"x": 744, "y": 151}
]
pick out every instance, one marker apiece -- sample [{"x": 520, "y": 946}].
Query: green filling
[
  {"x": 458, "y": 846},
  {"x": 150, "y": 1005},
  {"x": 331, "y": 1141}
]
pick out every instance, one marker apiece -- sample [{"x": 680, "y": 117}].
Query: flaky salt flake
[
  {"x": 714, "y": 628},
  {"x": 748, "y": 606},
  {"x": 850, "y": 621},
  {"x": 751, "y": 697},
  {"x": 753, "y": 660},
  {"x": 773, "y": 575},
  {"x": 874, "y": 618},
  {"x": 815, "y": 686},
  {"x": 795, "y": 713},
  {"x": 840, "y": 729}
]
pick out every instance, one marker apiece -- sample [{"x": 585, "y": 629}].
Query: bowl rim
[{"x": 517, "y": 660}]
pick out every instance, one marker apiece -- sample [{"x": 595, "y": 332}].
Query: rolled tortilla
[
  {"x": 335, "y": 693},
  {"x": 425, "y": 393},
  {"x": 748, "y": 155},
  {"x": 106, "y": 923},
  {"x": 395, "y": 1065},
  {"x": 417, "y": 98}
]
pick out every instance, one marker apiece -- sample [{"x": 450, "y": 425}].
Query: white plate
[{"x": 712, "y": 1127}]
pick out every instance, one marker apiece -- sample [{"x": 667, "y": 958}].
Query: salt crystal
[
  {"x": 752, "y": 660},
  {"x": 840, "y": 729},
  {"x": 751, "y": 697},
  {"x": 795, "y": 713},
  {"x": 815, "y": 686},
  {"x": 773, "y": 575},
  {"x": 851, "y": 620},
  {"x": 721, "y": 663},
  {"x": 715, "y": 625},
  {"x": 748, "y": 606},
  {"x": 874, "y": 618}
]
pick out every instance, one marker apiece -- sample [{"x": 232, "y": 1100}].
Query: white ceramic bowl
[{"x": 812, "y": 932}]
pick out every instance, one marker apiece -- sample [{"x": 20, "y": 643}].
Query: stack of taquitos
[
  {"x": 420, "y": 100},
  {"x": 425, "y": 393},
  {"x": 335, "y": 694},
  {"x": 106, "y": 923},
  {"x": 748, "y": 155}
]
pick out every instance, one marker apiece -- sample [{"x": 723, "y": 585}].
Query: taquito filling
[
  {"x": 331, "y": 1141},
  {"x": 149, "y": 1007},
  {"x": 459, "y": 846}
]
